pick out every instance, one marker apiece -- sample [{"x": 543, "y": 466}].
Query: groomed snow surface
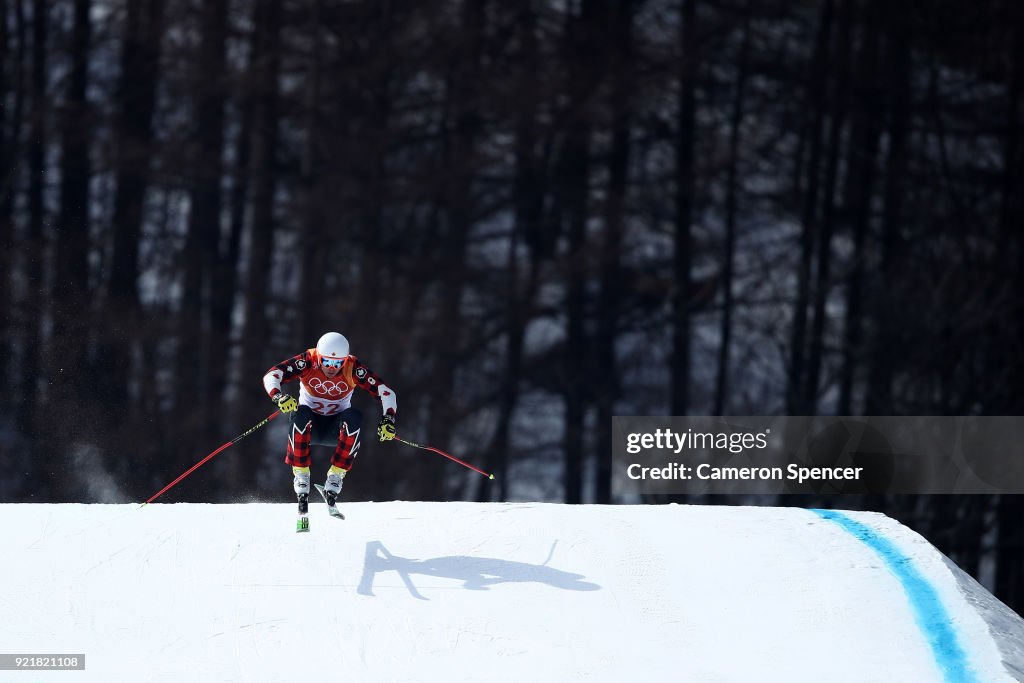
[{"x": 453, "y": 592}]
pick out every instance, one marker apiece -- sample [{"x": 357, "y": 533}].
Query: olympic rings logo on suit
[{"x": 326, "y": 387}]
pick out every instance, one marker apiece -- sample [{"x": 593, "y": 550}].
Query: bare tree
[
  {"x": 265, "y": 65},
  {"x": 575, "y": 163},
  {"x": 731, "y": 210},
  {"x": 313, "y": 183},
  {"x": 885, "y": 347},
  {"x": 33, "y": 404},
  {"x": 532, "y": 228},
  {"x": 619, "y": 23},
  {"x": 201, "y": 342},
  {"x": 10, "y": 122},
  {"x": 823, "y": 283},
  {"x": 685, "y": 136},
  {"x": 859, "y": 190},
  {"x": 72, "y": 230},
  {"x": 462, "y": 128},
  {"x": 816, "y": 103},
  {"x": 136, "y": 96}
]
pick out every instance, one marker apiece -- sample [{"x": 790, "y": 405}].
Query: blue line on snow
[{"x": 929, "y": 612}]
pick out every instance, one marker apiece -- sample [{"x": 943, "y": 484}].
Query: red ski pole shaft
[
  {"x": 227, "y": 445},
  {"x": 450, "y": 457}
]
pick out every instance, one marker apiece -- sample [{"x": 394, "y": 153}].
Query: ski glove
[
  {"x": 286, "y": 403},
  {"x": 386, "y": 428}
]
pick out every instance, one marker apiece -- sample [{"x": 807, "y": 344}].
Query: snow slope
[{"x": 491, "y": 592}]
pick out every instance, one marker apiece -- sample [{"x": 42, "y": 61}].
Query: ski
[
  {"x": 302, "y": 523},
  {"x": 331, "y": 508}
]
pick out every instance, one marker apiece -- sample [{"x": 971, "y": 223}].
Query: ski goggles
[{"x": 332, "y": 362}]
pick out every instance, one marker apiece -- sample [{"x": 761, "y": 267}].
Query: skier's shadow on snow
[{"x": 476, "y": 573}]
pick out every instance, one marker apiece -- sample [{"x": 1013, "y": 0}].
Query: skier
[{"x": 324, "y": 415}]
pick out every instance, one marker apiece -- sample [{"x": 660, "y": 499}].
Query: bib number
[{"x": 325, "y": 408}]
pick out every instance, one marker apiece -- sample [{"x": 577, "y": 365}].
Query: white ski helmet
[{"x": 332, "y": 345}]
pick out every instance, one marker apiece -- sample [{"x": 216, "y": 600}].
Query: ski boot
[{"x": 330, "y": 491}]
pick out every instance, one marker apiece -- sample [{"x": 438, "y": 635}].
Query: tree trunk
[
  {"x": 529, "y": 218},
  {"x": 226, "y": 283},
  {"x": 867, "y": 112},
  {"x": 577, "y": 180},
  {"x": 31, "y": 403},
  {"x": 684, "y": 199},
  {"x": 582, "y": 33},
  {"x": 314, "y": 255},
  {"x": 732, "y": 190},
  {"x": 72, "y": 243},
  {"x": 824, "y": 242},
  {"x": 266, "y": 68},
  {"x": 1007, "y": 339},
  {"x": 886, "y": 310},
  {"x": 460, "y": 146},
  {"x": 1010, "y": 509},
  {"x": 71, "y": 247},
  {"x": 140, "y": 62},
  {"x": 374, "y": 264},
  {"x": 201, "y": 344},
  {"x": 620, "y": 34},
  {"x": 517, "y": 314},
  {"x": 10, "y": 127},
  {"x": 816, "y": 101}
]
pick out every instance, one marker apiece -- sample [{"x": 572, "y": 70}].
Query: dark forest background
[{"x": 526, "y": 216}]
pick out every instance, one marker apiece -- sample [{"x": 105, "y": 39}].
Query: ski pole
[
  {"x": 440, "y": 452},
  {"x": 192, "y": 469}
]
